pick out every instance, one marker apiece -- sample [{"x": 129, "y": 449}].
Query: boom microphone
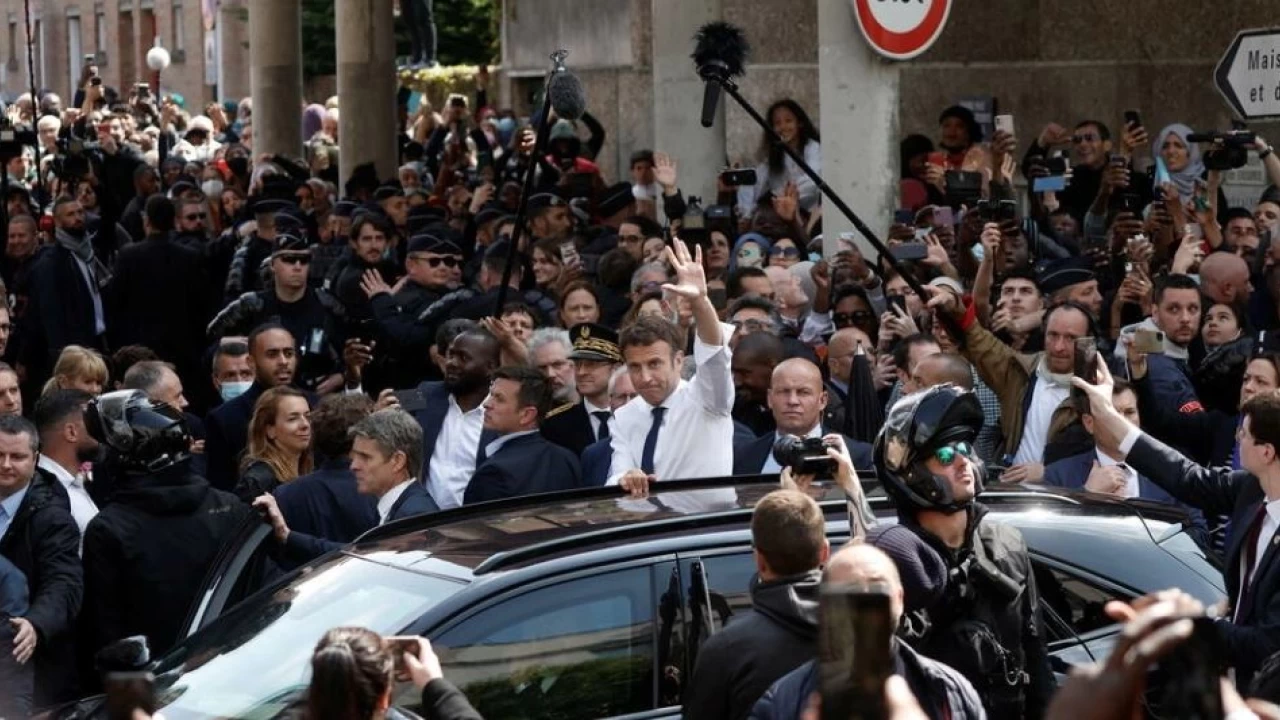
[
  {"x": 568, "y": 98},
  {"x": 719, "y": 54}
]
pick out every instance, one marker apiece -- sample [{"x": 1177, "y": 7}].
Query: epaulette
[{"x": 559, "y": 410}]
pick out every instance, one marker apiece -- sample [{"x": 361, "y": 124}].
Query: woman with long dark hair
[
  {"x": 279, "y": 448},
  {"x": 798, "y": 132}
]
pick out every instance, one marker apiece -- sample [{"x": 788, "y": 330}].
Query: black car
[{"x": 587, "y": 604}]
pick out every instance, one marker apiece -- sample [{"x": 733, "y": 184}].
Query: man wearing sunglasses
[
  {"x": 925, "y": 458},
  {"x": 313, "y": 316},
  {"x": 1090, "y": 147}
]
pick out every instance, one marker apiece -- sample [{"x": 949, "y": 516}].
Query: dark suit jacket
[
  {"x": 569, "y": 428},
  {"x": 749, "y": 458},
  {"x": 301, "y": 547},
  {"x": 524, "y": 466},
  {"x": 160, "y": 299},
  {"x": 1255, "y": 635},
  {"x": 325, "y": 503},
  {"x": 1072, "y": 472},
  {"x": 595, "y": 463},
  {"x": 415, "y": 500},
  {"x": 226, "y": 434},
  {"x": 431, "y": 418},
  {"x": 59, "y": 311}
]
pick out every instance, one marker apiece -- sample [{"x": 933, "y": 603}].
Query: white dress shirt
[
  {"x": 771, "y": 464},
  {"x": 1131, "y": 488},
  {"x": 453, "y": 461},
  {"x": 696, "y": 439},
  {"x": 388, "y": 500},
  {"x": 595, "y": 421},
  {"x": 1045, "y": 399},
  {"x": 83, "y": 508}
]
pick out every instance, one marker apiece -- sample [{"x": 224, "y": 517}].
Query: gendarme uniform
[{"x": 574, "y": 426}]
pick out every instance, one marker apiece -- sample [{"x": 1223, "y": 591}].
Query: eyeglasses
[
  {"x": 650, "y": 286},
  {"x": 294, "y": 259},
  {"x": 752, "y": 325},
  {"x": 199, "y": 216},
  {"x": 448, "y": 261},
  {"x": 786, "y": 252},
  {"x": 1085, "y": 137},
  {"x": 947, "y": 453},
  {"x": 857, "y": 317}
]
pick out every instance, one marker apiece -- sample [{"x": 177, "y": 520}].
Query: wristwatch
[{"x": 1265, "y": 152}]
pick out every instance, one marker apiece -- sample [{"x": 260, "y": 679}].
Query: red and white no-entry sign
[{"x": 901, "y": 29}]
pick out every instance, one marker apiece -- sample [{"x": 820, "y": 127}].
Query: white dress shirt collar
[
  {"x": 1131, "y": 486},
  {"x": 388, "y": 500},
  {"x": 591, "y": 408},
  {"x": 492, "y": 448}
]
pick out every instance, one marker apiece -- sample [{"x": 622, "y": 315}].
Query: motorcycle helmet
[
  {"x": 916, "y": 426},
  {"x": 144, "y": 435}
]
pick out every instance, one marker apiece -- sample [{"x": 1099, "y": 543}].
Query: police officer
[
  {"x": 314, "y": 317},
  {"x": 988, "y": 623},
  {"x": 147, "y": 551}
]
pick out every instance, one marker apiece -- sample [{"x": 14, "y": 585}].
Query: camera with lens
[
  {"x": 1230, "y": 149},
  {"x": 805, "y": 456},
  {"x": 14, "y": 139}
]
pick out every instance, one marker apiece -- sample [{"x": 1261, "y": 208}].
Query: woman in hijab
[
  {"x": 312, "y": 121},
  {"x": 1185, "y": 165}
]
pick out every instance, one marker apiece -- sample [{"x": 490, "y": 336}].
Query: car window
[
  {"x": 582, "y": 648},
  {"x": 728, "y": 580},
  {"x": 1078, "y": 601}
]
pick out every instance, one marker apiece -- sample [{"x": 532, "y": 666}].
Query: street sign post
[
  {"x": 901, "y": 29},
  {"x": 1248, "y": 75}
]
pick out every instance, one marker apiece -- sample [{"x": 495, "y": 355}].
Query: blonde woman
[
  {"x": 78, "y": 368},
  {"x": 279, "y": 448}
]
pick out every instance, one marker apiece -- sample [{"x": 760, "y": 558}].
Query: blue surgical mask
[{"x": 233, "y": 390}]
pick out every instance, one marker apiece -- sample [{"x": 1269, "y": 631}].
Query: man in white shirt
[
  {"x": 677, "y": 429},
  {"x": 1250, "y": 633},
  {"x": 65, "y": 445}
]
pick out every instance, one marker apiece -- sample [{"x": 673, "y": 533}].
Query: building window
[
  {"x": 75, "y": 58},
  {"x": 179, "y": 29},
  {"x": 13, "y": 41},
  {"x": 39, "y": 53},
  {"x": 99, "y": 30}
]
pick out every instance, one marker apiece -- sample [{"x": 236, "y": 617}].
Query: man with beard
[
  {"x": 192, "y": 224},
  {"x": 65, "y": 445},
  {"x": 65, "y": 295},
  {"x": 371, "y": 235},
  {"x": 549, "y": 350},
  {"x": 333, "y": 242},
  {"x": 452, "y": 416}
]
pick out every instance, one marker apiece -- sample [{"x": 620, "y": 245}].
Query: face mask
[
  {"x": 211, "y": 188},
  {"x": 233, "y": 390}
]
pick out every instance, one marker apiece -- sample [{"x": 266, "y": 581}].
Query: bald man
[
  {"x": 797, "y": 399},
  {"x": 944, "y": 693},
  {"x": 1224, "y": 278},
  {"x": 942, "y": 368}
]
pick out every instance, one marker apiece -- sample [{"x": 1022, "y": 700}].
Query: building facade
[{"x": 207, "y": 41}]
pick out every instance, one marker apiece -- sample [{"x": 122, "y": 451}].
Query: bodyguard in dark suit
[
  {"x": 159, "y": 294},
  {"x": 1251, "y": 497},
  {"x": 797, "y": 399},
  {"x": 520, "y": 461},
  {"x": 595, "y": 355},
  {"x": 386, "y": 448}
]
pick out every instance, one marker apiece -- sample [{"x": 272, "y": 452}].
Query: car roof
[{"x": 472, "y": 541}]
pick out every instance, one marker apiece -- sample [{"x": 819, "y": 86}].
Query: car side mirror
[{"x": 130, "y": 654}]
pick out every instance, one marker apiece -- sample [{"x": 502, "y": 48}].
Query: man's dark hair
[
  {"x": 1263, "y": 412},
  {"x": 641, "y": 156},
  {"x": 264, "y": 328},
  {"x": 160, "y": 212},
  {"x": 333, "y": 417},
  {"x": 789, "y": 530},
  {"x": 142, "y": 171},
  {"x": 146, "y": 375},
  {"x": 378, "y": 220},
  {"x": 1237, "y": 213},
  {"x": 615, "y": 270},
  {"x": 519, "y": 308},
  {"x": 1119, "y": 385},
  {"x": 902, "y": 351},
  {"x": 1074, "y": 306},
  {"x": 648, "y": 228},
  {"x": 535, "y": 391},
  {"x": 451, "y": 329},
  {"x": 496, "y": 262},
  {"x": 761, "y": 347},
  {"x": 56, "y": 406},
  {"x": 229, "y": 349},
  {"x": 753, "y": 302},
  {"x": 60, "y": 201},
  {"x": 1172, "y": 282},
  {"x": 1022, "y": 274},
  {"x": 848, "y": 290},
  {"x": 18, "y": 425},
  {"x": 130, "y": 355},
  {"x": 733, "y": 286},
  {"x": 1104, "y": 132},
  {"x": 647, "y": 330}
]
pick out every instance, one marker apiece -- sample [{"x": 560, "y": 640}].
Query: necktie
[
  {"x": 651, "y": 440},
  {"x": 603, "y": 416},
  {"x": 1249, "y": 552}
]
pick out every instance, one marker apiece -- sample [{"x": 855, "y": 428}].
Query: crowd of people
[{"x": 192, "y": 329}]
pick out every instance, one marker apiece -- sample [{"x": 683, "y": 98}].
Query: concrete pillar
[
  {"x": 859, "y": 124},
  {"x": 677, "y": 96},
  {"x": 366, "y": 86},
  {"x": 275, "y": 57}
]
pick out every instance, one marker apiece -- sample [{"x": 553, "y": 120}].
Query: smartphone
[
  {"x": 411, "y": 400},
  {"x": 738, "y": 177},
  {"x": 1132, "y": 119},
  {"x": 963, "y": 188},
  {"x": 897, "y": 301},
  {"x": 855, "y": 635},
  {"x": 1146, "y": 340},
  {"x": 937, "y": 158},
  {"x": 90, "y": 59},
  {"x": 998, "y": 212},
  {"x": 1005, "y": 123},
  {"x": 398, "y": 646},
  {"x": 95, "y": 81},
  {"x": 1086, "y": 360},
  {"x": 979, "y": 253},
  {"x": 943, "y": 216},
  {"x": 923, "y": 234},
  {"x": 904, "y": 217},
  {"x": 1057, "y": 165},
  {"x": 569, "y": 254},
  {"x": 127, "y": 692},
  {"x": 910, "y": 251},
  {"x": 142, "y": 90},
  {"x": 1053, "y": 183}
]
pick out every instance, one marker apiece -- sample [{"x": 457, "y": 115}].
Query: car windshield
[{"x": 255, "y": 661}]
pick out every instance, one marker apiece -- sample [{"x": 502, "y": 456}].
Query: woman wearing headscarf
[{"x": 1184, "y": 164}]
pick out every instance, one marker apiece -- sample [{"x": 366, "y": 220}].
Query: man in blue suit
[
  {"x": 327, "y": 503},
  {"x": 797, "y": 399},
  {"x": 520, "y": 461},
  {"x": 386, "y": 449},
  {"x": 1103, "y": 470}
]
